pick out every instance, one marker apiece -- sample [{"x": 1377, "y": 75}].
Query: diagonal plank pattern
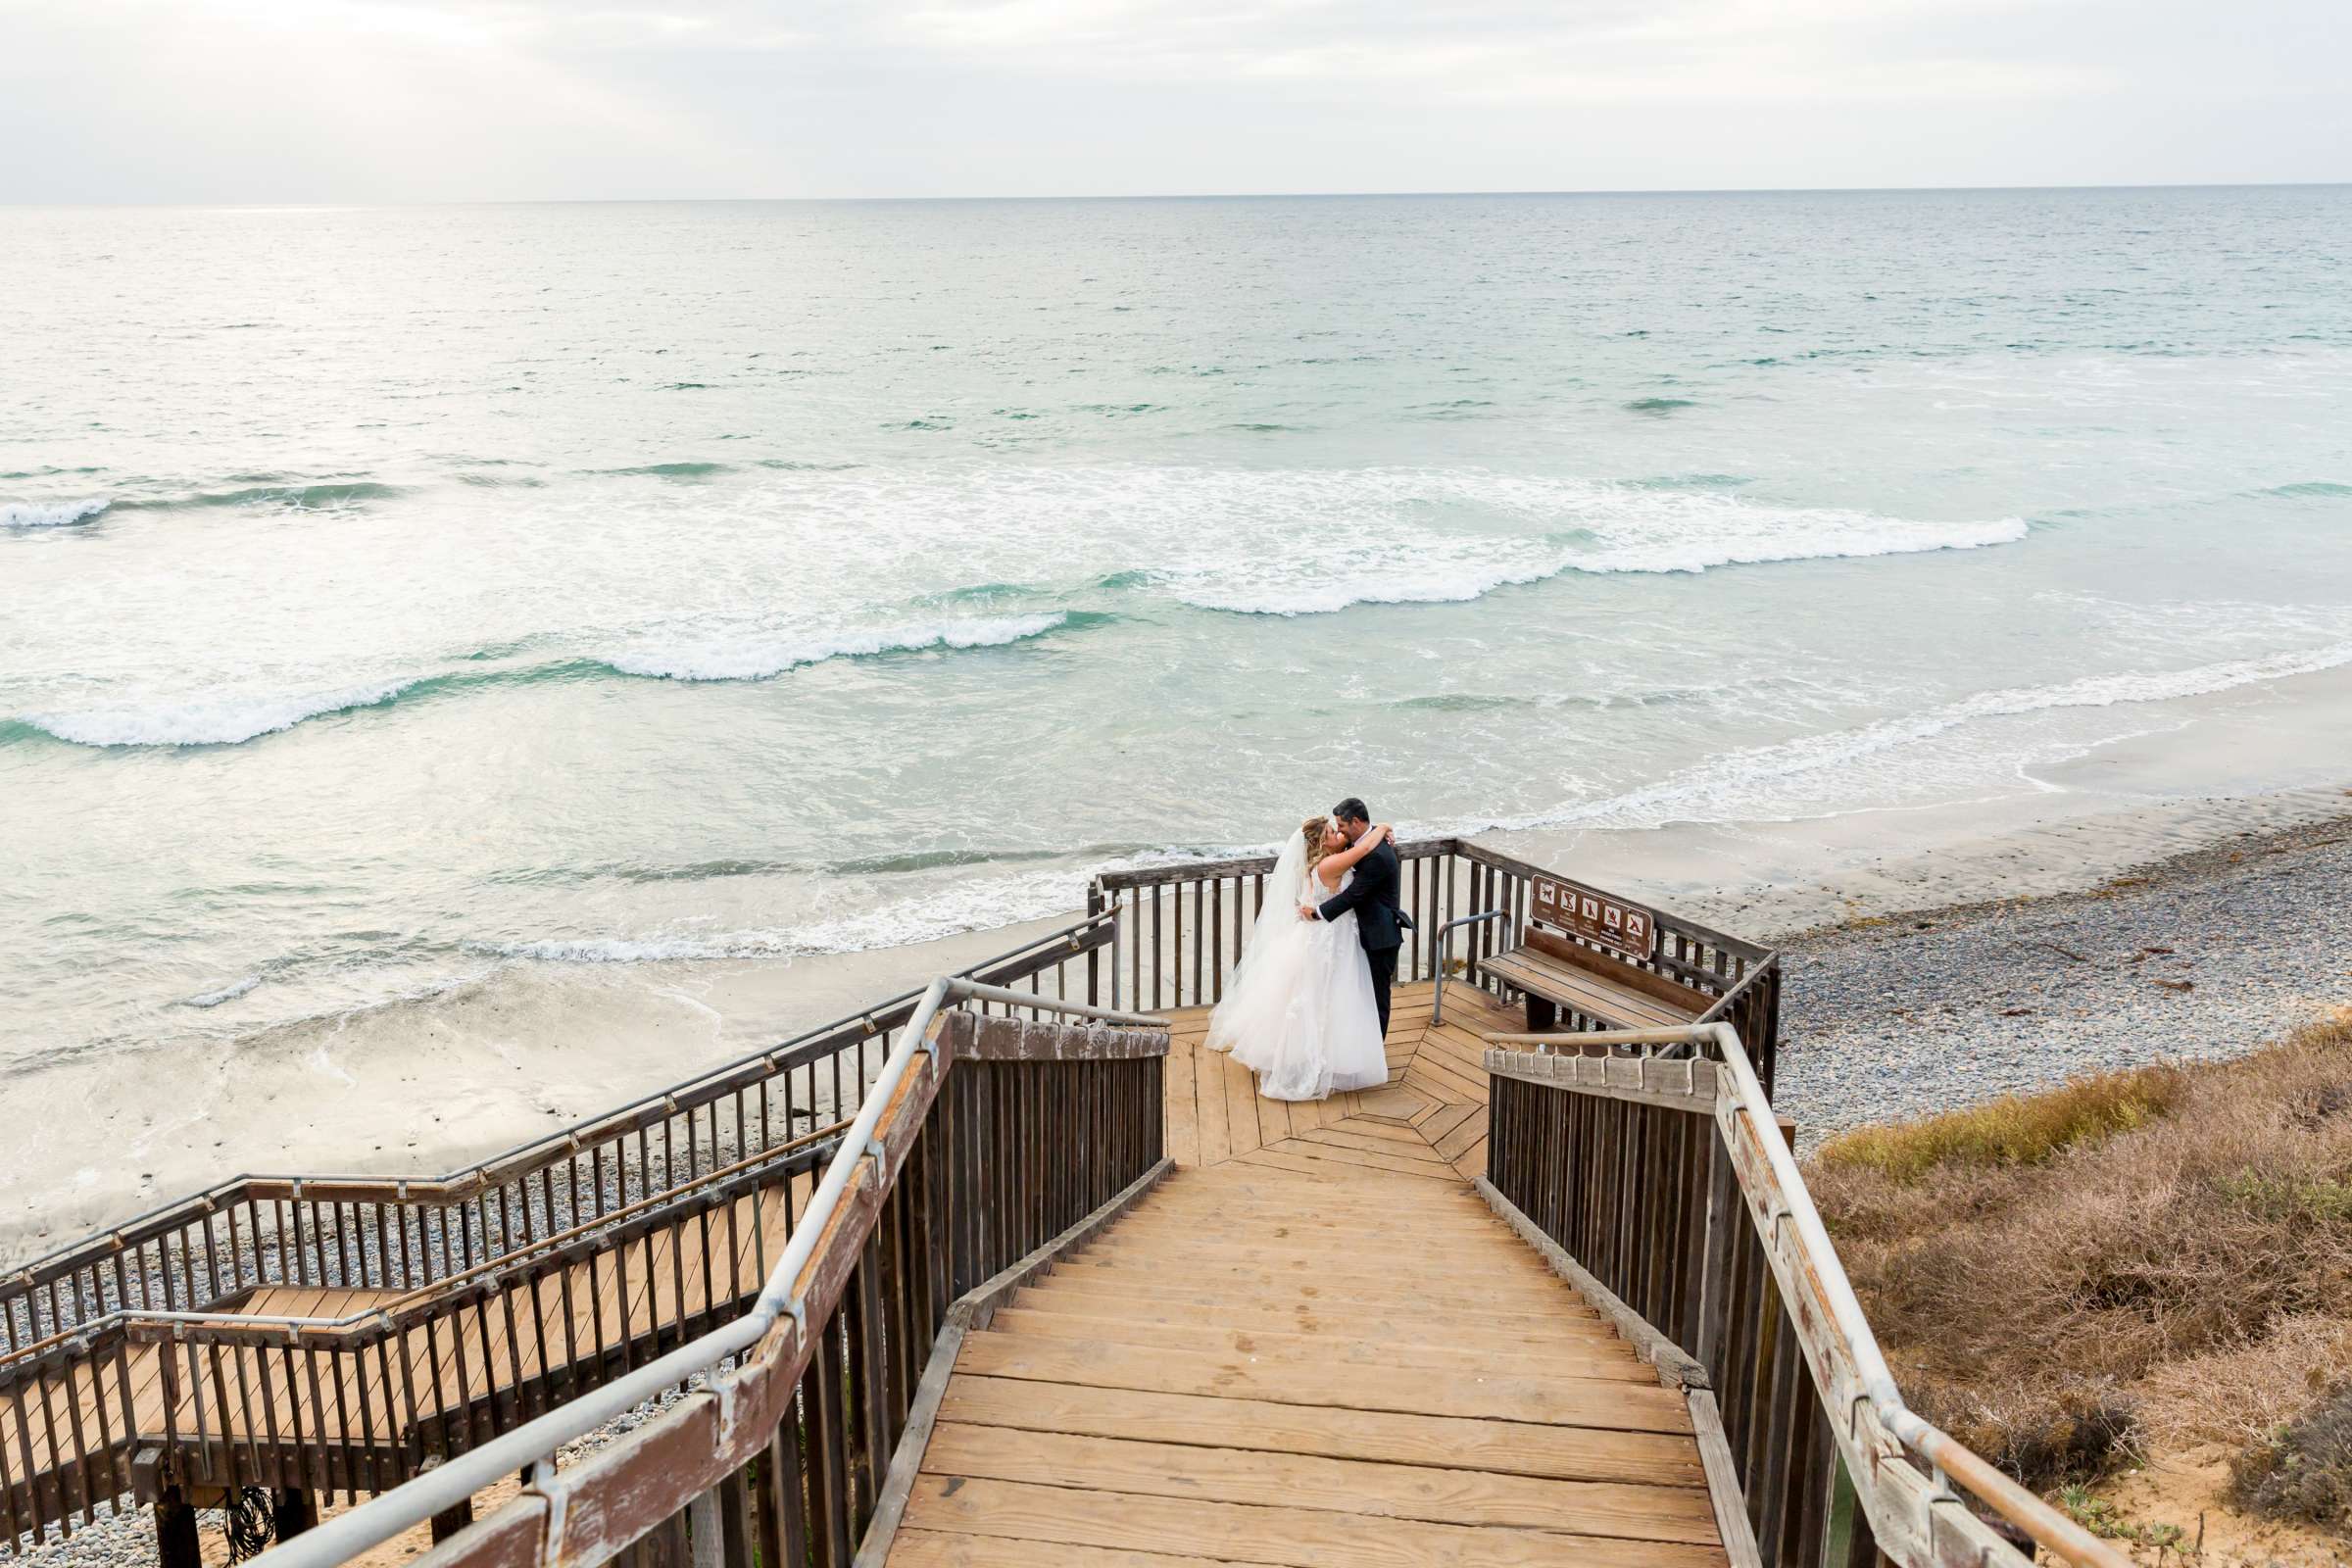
[
  {"x": 1316, "y": 1344},
  {"x": 1433, "y": 1113}
]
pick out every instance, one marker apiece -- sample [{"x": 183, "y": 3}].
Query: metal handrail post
[
  {"x": 1437, "y": 1010},
  {"x": 1118, "y": 951}
]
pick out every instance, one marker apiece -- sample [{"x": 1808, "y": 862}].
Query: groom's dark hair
[{"x": 1351, "y": 810}]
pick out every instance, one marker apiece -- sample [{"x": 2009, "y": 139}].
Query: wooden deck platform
[
  {"x": 1312, "y": 1343},
  {"x": 354, "y": 1420}
]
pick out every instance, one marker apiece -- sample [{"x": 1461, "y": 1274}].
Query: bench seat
[{"x": 1552, "y": 972}]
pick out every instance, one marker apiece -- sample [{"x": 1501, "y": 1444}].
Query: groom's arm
[{"x": 1347, "y": 898}]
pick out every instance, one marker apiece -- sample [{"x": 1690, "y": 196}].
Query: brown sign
[{"x": 1595, "y": 916}]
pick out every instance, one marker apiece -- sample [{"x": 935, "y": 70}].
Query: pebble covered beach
[{"x": 2205, "y": 955}]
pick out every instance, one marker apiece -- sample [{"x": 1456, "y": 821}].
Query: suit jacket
[{"x": 1380, "y": 920}]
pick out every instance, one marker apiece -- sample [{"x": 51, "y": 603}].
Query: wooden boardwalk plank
[
  {"x": 1575, "y": 1453},
  {"x": 1335, "y": 1346},
  {"x": 1535, "y": 1333},
  {"x": 1236, "y": 1533},
  {"x": 1335, "y": 1485},
  {"x": 939, "y": 1548},
  {"x": 1553, "y": 1401}
]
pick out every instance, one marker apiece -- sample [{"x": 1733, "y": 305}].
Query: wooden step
[
  {"x": 1556, "y": 1401},
  {"x": 1428, "y": 1491},
  {"x": 1334, "y": 1347},
  {"x": 1533, "y": 1332},
  {"x": 1508, "y": 1448},
  {"x": 1303, "y": 1296},
  {"x": 1237, "y": 1533},
  {"x": 1533, "y": 1292},
  {"x": 1429, "y": 1258}
]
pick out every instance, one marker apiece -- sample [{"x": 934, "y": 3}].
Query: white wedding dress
[{"x": 1299, "y": 1011}]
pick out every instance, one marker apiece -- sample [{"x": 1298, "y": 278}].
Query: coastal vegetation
[{"x": 2131, "y": 1267}]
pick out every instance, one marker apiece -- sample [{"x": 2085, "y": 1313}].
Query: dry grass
[
  {"x": 2147, "y": 1258},
  {"x": 2012, "y": 1130},
  {"x": 2304, "y": 1471}
]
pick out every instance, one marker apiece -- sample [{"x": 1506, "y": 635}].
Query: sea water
[{"x": 396, "y": 599}]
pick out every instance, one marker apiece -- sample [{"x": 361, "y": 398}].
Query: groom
[{"x": 1380, "y": 921}]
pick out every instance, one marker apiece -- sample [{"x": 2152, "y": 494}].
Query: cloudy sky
[{"x": 420, "y": 100}]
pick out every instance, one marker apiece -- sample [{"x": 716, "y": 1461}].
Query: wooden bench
[{"x": 1553, "y": 973}]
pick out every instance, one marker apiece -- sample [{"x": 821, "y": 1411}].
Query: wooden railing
[
  {"x": 976, "y": 1147},
  {"x": 1673, "y": 1199},
  {"x": 1181, "y": 929},
  {"x": 266, "y": 1398}
]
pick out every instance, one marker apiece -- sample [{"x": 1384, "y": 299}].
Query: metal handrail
[
  {"x": 467, "y": 1179},
  {"x": 413, "y": 1503},
  {"x": 1823, "y": 1276},
  {"x": 1437, "y": 1009}
]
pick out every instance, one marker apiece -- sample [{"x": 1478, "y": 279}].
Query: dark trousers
[{"x": 1384, "y": 975}]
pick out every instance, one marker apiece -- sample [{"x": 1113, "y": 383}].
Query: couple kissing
[{"x": 1309, "y": 1006}]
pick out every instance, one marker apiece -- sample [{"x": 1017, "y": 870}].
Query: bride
[{"x": 1300, "y": 1012}]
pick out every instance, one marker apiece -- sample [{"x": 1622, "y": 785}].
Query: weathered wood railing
[
  {"x": 1181, "y": 930},
  {"x": 457, "y": 1252},
  {"x": 339, "y": 1406},
  {"x": 976, "y": 1146},
  {"x": 1673, "y": 1199}
]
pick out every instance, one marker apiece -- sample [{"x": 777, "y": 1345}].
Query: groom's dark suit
[{"x": 1380, "y": 921}]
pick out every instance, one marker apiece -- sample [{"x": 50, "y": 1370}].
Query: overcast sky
[{"x": 421, "y": 100}]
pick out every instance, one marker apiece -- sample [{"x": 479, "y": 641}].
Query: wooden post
[
  {"x": 1837, "y": 1535},
  {"x": 703, "y": 1534},
  {"x": 175, "y": 1542},
  {"x": 452, "y": 1519},
  {"x": 292, "y": 1510}
]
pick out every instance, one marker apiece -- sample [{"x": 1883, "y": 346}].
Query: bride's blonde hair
[{"x": 1312, "y": 831}]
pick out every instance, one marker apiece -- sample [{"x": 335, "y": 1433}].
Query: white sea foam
[
  {"x": 1587, "y": 526},
  {"x": 758, "y": 657},
  {"x": 1744, "y": 784},
  {"x": 1284, "y": 540},
  {"x": 51, "y": 514},
  {"x": 227, "y": 992},
  {"x": 955, "y": 909},
  {"x": 208, "y": 720}
]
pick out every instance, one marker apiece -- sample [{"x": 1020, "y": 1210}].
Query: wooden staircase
[{"x": 1322, "y": 1348}]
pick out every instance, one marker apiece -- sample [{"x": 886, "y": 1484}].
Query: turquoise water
[{"x": 389, "y": 596}]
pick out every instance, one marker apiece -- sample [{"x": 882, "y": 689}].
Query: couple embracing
[{"x": 1308, "y": 1007}]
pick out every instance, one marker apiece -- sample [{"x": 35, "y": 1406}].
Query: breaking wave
[
  {"x": 231, "y": 718},
  {"x": 224, "y": 720},
  {"x": 51, "y": 514},
  {"x": 309, "y": 496},
  {"x": 1414, "y": 536},
  {"x": 227, "y": 992},
  {"x": 762, "y": 658}
]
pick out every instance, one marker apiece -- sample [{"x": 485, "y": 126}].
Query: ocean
[{"x": 397, "y": 604}]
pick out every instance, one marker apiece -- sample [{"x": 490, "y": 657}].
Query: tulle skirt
[{"x": 1301, "y": 1013}]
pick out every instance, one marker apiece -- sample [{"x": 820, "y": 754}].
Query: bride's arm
[{"x": 1331, "y": 866}]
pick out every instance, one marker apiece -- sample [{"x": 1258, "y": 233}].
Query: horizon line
[{"x": 1204, "y": 196}]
